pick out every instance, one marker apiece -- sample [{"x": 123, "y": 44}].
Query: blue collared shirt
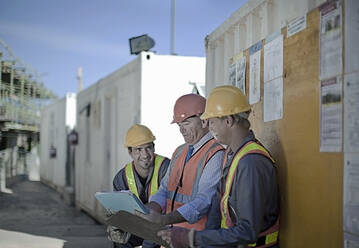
[{"x": 194, "y": 210}]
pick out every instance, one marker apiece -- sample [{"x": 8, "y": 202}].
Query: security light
[{"x": 141, "y": 43}]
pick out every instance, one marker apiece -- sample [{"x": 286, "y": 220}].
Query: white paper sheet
[
  {"x": 254, "y": 77},
  {"x": 273, "y": 99},
  {"x": 351, "y": 35},
  {"x": 351, "y": 112},
  {"x": 241, "y": 74},
  {"x": 330, "y": 40},
  {"x": 273, "y": 59},
  {"x": 297, "y": 25},
  {"x": 237, "y": 72},
  {"x": 351, "y": 241},
  {"x": 331, "y": 115},
  {"x": 232, "y": 74},
  {"x": 351, "y": 193}
]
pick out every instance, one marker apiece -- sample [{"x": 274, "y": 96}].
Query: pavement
[{"x": 33, "y": 215}]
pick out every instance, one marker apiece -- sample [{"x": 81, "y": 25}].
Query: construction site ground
[{"x": 33, "y": 215}]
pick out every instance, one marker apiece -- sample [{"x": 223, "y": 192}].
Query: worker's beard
[{"x": 145, "y": 164}]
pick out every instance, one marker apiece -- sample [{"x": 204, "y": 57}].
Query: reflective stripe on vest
[
  {"x": 267, "y": 238},
  {"x": 154, "y": 180},
  {"x": 131, "y": 182},
  {"x": 191, "y": 176},
  {"x": 271, "y": 234}
]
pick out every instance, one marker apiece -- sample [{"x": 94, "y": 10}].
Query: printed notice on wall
[
  {"x": 351, "y": 112},
  {"x": 331, "y": 115},
  {"x": 273, "y": 59},
  {"x": 351, "y": 193},
  {"x": 237, "y": 72},
  {"x": 351, "y": 241},
  {"x": 297, "y": 25},
  {"x": 273, "y": 99},
  {"x": 351, "y": 35},
  {"x": 330, "y": 40},
  {"x": 232, "y": 74},
  {"x": 255, "y": 73}
]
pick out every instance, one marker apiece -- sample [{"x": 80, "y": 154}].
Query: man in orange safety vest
[{"x": 248, "y": 209}]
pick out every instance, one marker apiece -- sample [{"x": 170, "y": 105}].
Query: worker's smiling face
[
  {"x": 217, "y": 127},
  {"x": 143, "y": 155},
  {"x": 191, "y": 129}
]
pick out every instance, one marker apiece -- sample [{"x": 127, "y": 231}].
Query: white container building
[
  {"x": 143, "y": 91},
  {"x": 57, "y": 119}
]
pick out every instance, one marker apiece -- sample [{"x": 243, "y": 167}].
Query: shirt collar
[
  {"x": 249, "y": 137},
  {"x": 202, "y": 141}
]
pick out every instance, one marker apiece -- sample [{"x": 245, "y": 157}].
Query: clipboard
[
  {"x": 138, "y": 226},
  {"x": 114, "y": 201}
]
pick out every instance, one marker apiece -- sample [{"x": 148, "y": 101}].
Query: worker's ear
[
  {"x": 229, "y": 120},
  {"x": 204, "y": 123},
  {"x": 130, "y": 151}
]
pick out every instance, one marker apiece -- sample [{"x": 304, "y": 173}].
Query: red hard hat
[{"x": 187, "y": 106}]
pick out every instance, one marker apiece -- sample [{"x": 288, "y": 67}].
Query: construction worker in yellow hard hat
[
  {"x": 142, "y": 176},
  {"x": 247, "y": 203},
  {"x": 187, "y": 189}
]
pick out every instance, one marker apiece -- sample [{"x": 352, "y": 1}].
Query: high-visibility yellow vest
[
  {"x": 154, "y": 180},
  {"x": 271, "y": 235}
]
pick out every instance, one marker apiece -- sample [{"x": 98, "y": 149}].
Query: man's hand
[
  {"x": 176, "y": 237},
  {"x": 118, "y": 236},
  {"x": 154, "y": 206},
  {"x": 153, "y": 216}
]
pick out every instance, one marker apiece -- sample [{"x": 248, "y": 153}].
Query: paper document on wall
[
  {"x": 237, "y": 72},
  {"x": 351, "y": 35},
  {"x": 241, "y": 74},
  {"x": 273, "y": 99},
  {"x": 330, "y": 40},
  {"x": 331, "y": 115},
  {"x": 120, "y": 200},
  {"x": 297, "y": 25},
  {"x": 351, "y": 193},
  {"x": 273, "y": 59},
  {"x": 351, "y": 112},
  {"x": 232, "y": 74},
  {"x": 351, "y": 241},
  {"x": 255, "y": 73}
]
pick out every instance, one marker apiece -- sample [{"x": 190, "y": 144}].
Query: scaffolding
[{"x": 22, "y": 93}]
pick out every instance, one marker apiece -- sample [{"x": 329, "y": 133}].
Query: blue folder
[{"x": 114, "y": 201}]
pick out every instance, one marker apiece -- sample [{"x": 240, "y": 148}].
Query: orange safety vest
[
  {"x": 131, "y": 182},
  {"x": 271, "y": 234},
  {"x": 191, "y": 175}
]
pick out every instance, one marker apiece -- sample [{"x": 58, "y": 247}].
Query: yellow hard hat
[
  {"x": 138, "y": 135},
  {"x": 225, "y": 100}
]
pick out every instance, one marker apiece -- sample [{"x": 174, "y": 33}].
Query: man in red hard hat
[
  {"x": 185, "y": 193},
  {"x": 247, "y": 204}
]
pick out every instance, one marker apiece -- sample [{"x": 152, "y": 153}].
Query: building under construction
[{"x": 22, "y": 94}]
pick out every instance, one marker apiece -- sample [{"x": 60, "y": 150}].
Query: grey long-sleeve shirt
[{"x": 253, "y": 201}]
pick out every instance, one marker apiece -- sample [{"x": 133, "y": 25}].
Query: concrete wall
[
  {"x": 56, "y": 120},
  {"x": 143, "y": 91}
]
